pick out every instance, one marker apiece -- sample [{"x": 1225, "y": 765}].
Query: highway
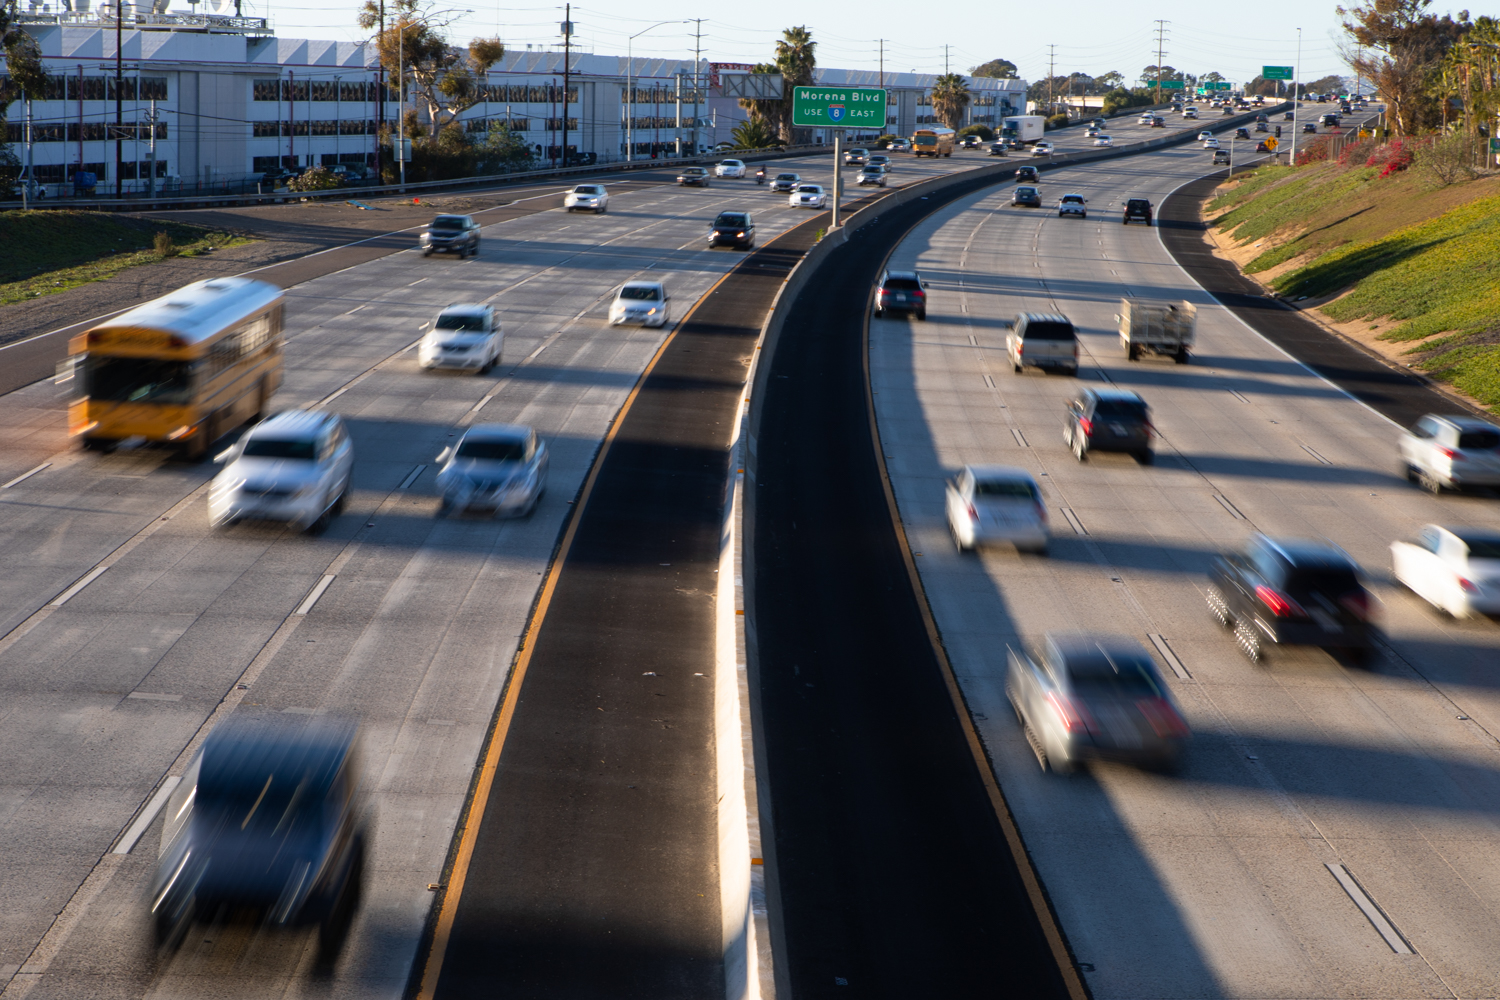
[
  {"x": 1216, "y": 881},
  {"x": 108, "y": 693}
]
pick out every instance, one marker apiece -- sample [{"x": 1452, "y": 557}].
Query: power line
[{"x": 1161, "y": 33}]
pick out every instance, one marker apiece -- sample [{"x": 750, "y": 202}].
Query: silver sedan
[{"x": 495, "y": 467}]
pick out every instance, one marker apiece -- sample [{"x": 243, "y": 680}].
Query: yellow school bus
[
  {"x": 934, "y": 141},
  {"x": 182, "y": 370}
]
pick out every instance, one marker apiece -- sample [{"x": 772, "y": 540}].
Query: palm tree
[
  {"x": 950, "y": 95},
  {"x": 796, "y": 59}
]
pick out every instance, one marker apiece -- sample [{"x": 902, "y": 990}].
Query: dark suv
[
  {"x": 1026, "y": 174},
  {"x": 451, "y": 234},
  {"x": 732, "y": 229},
  {"x": 1292, "y": 592},
  {"x": 1137, "y": 208},
  {"x": 1109, "y": 420},
  {"x": 268, "y": 820},
  {"x": 901, "y": 292}
]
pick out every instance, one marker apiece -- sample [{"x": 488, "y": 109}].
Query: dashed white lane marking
[
  {"x": 1166, "y": 654},
  {"x": 68, "y": 594},
  {"x": 146, "y": 817},
  {"x": 26, "y": 475},
  {"x": 1367, "y": 906},
  {"x": 411, "y": 478},
  {"x": 312, "y": 598}
]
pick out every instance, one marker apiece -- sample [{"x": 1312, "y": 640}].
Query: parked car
[
  {"x": 466, "y": 337},
  {"x": 1026, "y": 195},
  {"x": 1281, "y": 591},
  {"x": 269, "y": 819},
  {"x": 1137, "y": 208},
  {"x": 494, "y": 467},
  {"x": 901, "y": 292},
  {"x": 808, "y": 196},
  {"x": 1109, "y": 419},
  {"x": 293, "y": 467},
  {"x": 1042, "y": 340},
  {"x": 693, "y": 177},
  {"x": 730, "y": 168},
  {"x": 732, "y": 229},
  {"x": 1103, "y": 140},
  {"x": 1093, "y": 696},
  {"x": 1026, "y": 174},
  {"x": 643, "y": 302},
  {"x": 996, "y": 503},
  {"x": 1451, "y": 453},
  {"x": 783, "y": 183},
  {"x": 589, "y": 197},
  {"x": 1043, "y": 148},
  {"x": 1072, "y": 204},
  {"x": 1456, "y": 570},
  {"x": 855, "y": 157},
  {"x": 451, "y": 234},
  {"x": 871, "y": 173}
]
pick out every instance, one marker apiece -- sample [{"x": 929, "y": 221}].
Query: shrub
[
  {"x": 1356, "y": 153},
  {"x": 315, "y": 179},
  {"x": 884, "y": 142},
  {"x": 985, "y": 133},
  {"x": 164, "y": 246},
  {"x": 1394, "y": 156},
  {"x": 1315, "y": 151},
  {"x": 1448, "y": 160},
  {"x": 1057, "y": 121}
]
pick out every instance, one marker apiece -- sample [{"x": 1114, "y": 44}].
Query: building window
[{"x": 131, "y": 170}]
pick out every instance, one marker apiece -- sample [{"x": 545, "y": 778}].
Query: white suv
[
  {"x": 466, "y": 337},
  {"x": 293, "y": 467},
  {"x": 1451, "y": 452}
]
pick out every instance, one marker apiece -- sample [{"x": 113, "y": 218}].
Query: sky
[{"x": 1093, "y": 38}]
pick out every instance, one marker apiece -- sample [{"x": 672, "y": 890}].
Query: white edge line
[
  {"x": 406, "y": 483},
  {"x": 312, "y": 598},
  {"x": 68, "y": 594},
  {"x": 26, "y": 475},
  {"x": 1166, "y": 654},
  {"x": 1077, "y": 525},
  {"x": 148, "y": 815},
  {"x": 1367, "y": 906}
]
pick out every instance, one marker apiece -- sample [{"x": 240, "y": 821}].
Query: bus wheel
[{"x": 98, "y": 444}]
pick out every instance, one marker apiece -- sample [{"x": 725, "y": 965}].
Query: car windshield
[
  {"x": 695, "y": 170},
  {"x": 1479, "y": 440},
  {"x": 1018, "y": 489},
  {"x": 1025, "y": 192},
  {"x": 1120, "y": 409},
  {"x": 807, "y": 189},
  {"x": 902, "y": 284},
  {"x": 447, "y": 222},
  {"x": 138, "y": 380},
  {"x": 1072, "y": 199},
  {"x": 1098, "y": 676},
  {"x": 787, "y": 177},
  {"x": 460, "y": 322},
  {"x": 492, "y": 451},
  {"x": 730, "y": 220},
  {"x": 269, "y": 447},
  {"x": 1049, "y": 331},
  {"x": 643, "y": 293},
  {"x": 585, "y": 189}
]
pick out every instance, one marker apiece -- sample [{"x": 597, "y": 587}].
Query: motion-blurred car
[
  {"x": 732, "y": 229},
  {"x": 997, "y": 148},
  {"x": 1205, "y": 135},
  {"x": 693, "y": 177},
  {"x": 1024, "y": 174},
  {"x": 996, "y": 503},
  {"x": 899, "y": 146},
  {"x": 1042, "y": 340},
  {"x": 292, "y": 467},
  {"x": 808, "y": 196},
  {"x": 1103, "y": 140},
  {"x": 1043, "y": 148},
  {"x": 1210, "y": 143},
  {"x": 643, "y": 302},
  {"x": 1290, "y": 116},
  {"x": 879, "y": 160},
  {"x": 1309, "y": 127},
  {"x": 855, "y": 157},
  {"x": 587, "y": 197},
  {"x": 269, "y": 820},
  {"x": 782, "y": 183},
  {"x": 1262, "y": 127},
  {"x": 1138, "y": 209},
  {"x": 1451, "y": 452},
  {"x": 1086, "y": 696},
  {"x": 1026, "y": 195},
  {"x": 871, "y": 173},
  {"x": 1297, "y": 592},
  {"x": 1072, "y": 204},
  {"x": 1263, "y": 146},
  {"x": 1456, "y": 570},
  {"x": 1109, "y": 419},
  {"x": 1145, "y": 119},
  {"x": 970, "y": 141},
  {"x": 1158, "y": 122},
  {"x": 1242, "y": 133},
  {"x": 1221, "y": 156},
  {"x": 730, "y": 168},
  {"x": 466, "y": 337},
  {"x": 902, "y": 293},
  {"x": 495, "y": 467},
  {"x": 450, "y": 234},
  {"x": 1092, "y": 131}
]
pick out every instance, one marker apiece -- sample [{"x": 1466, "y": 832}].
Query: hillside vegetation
[{"x": 1399, "y": 250}]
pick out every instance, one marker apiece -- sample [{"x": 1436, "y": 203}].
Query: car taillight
[
  {"x": 1086, "y": 425},
  {"x": 1074, "y": 716},
  {"x": 1021, "y": 348},
  {"x": 1279, "y": 604},
  {"x": 973, "y": 514},
  {"x": 1041, "y": 513},
  {"x": 1467, "y": 586},
  {"x": 919, "y": 294},
  {"x": 1164, "y": 718},
  {"x": 1357, "y": 602},
  {"x": 1450, "y": 454},
  {"x": 1150, "y": 430}
]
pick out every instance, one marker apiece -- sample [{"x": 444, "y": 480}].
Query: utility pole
[
  {"x": 945, "y": 59},
  {"x": 379, "y": 91},
  {"x": 1051, "y": 77},
  {"x": 882, "y": 42},
  {"x": 679, "y": 75},
  {"x": 697, "y": 80},
  {"x": 401, "y": 99},
  {"x": 1161, "y": 53},
  {"x": 26, "y": 188},
  {"x": 151, "y": 124},
  {"x": 1296, "y": 99},
  {"x": 119, "y": 98},
  {"x": 567, "y": 30}
]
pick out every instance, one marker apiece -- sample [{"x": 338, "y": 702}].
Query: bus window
[{"x": 134, "y": 380}]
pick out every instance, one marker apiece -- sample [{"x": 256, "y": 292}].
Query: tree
[
  {"x": 796, "y": 61},
  {"x": 502, "y": 149},
  {"x": 950, "y": 96},
  {"x": 23, "y": 63},
  {"x": 1113, "y": 80},
  {"x": 1332, "y": 84},
  {"x": 996, "y": 69},
  {"x": 442, "y": 77},
  {"x": 985, "y": 133},
  {"x": 1470, "y": 74},
  {"x": 753, "y": 134},
  {"x": 1398, "y": 45},
  {"x": 315, "y": 179},
  {"x": 1149, "y": 75}
]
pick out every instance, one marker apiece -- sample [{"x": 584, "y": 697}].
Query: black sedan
[
  {"x": 1026, "y": 174},
  {"x": 732, "y": 229},
  {"x": 1310, "y": 127},
  {"x": 1242, "y": 133},
  {"x": 1026, "y": 195},
  {"x": 1109, "y": 420}
]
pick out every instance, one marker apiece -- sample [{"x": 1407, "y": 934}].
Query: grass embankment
[
  {"x": 46, "y": 252},
  {"x": 1420, "y": 265}
]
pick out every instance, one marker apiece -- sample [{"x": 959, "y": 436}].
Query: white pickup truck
[{"x": 1158, "y": 327}]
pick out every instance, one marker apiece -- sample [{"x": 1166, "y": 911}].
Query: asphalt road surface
[{"x": 1214, "y": 882}]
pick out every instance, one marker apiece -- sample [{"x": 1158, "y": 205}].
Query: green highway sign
[
  {"x": 838, "y": 107},
  {"x": 1218, "y": 85},
  {"x": 1495, "y": 145},
  {"x": 1276, "y": 72},
  {"x": 1171, "y": 85}
]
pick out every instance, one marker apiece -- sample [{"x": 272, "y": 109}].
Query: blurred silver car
[
  {"x": 588, "y": 198},
  {"x": 496, "y": 467},
  {"x": 1451, "y": 452},
  {"x": 1454, "y": 569},
  {"x": 466, "y": 337},
  {"x": 996, "y": 503},
  {"x": 1094, "y": 697},
  {"x": 808, "y": 196},
  {"x": 643, "y": 302},
  {"x": 294, "y": 467},
  {"x": 872, "y": 173}
]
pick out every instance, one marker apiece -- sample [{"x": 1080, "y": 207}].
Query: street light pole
[
  {"x": 1296, "y": 100},
  {"x": 630, "y": 87}
]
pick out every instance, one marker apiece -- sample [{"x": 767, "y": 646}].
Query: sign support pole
[{"x": 838, "y": 164}]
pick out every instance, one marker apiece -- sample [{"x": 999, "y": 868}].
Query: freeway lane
[
  {"x": 415, "y": 636},
  {"x": 1213, "y": 882}
]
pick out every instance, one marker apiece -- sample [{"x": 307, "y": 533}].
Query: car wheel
[
  {"x": 1132, "y": 351},
  {"x": 1145, "y": 457},
  {"x": 342, "y": 501},
  {"x": 1429, "y": 482},
  {"x": 922, "y": 315},
  {"x": 1036, "y": 745},
  {"x": 426, "y": 253},
  {"x": 1246, "y": 638},
  {"x": 1017, "y": 368},
  {"x": 1080, "y": 448},
  {"x": 1411, "y": 472},
  {"x": 1218, "y": 607},
  {"x": 1083, "y": 215},
  {"x": 1182, "y": 356}
]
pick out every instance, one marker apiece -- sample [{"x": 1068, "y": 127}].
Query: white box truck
[
  {"x": 1159, "y": 327},
  {"x": 1022, "y": 129}
]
